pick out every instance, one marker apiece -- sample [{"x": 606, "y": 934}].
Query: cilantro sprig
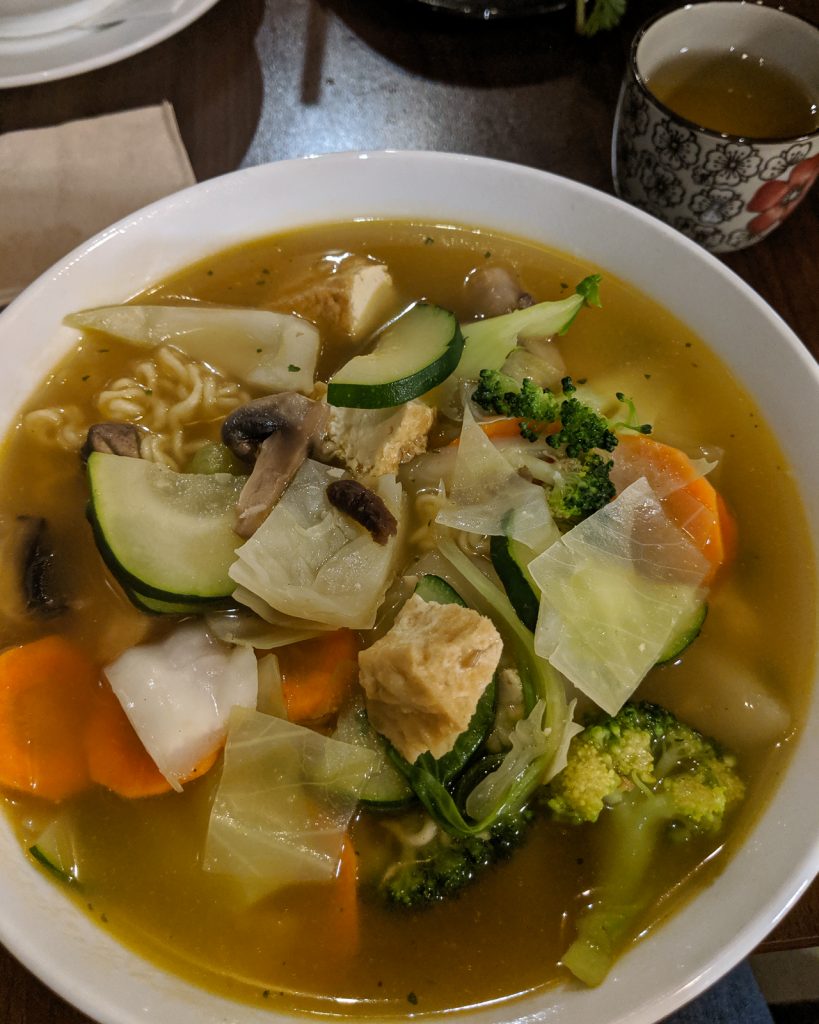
[{"x": 603, "y": 14}]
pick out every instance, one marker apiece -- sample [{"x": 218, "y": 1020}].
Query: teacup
[{"x": 725, "y": 183}]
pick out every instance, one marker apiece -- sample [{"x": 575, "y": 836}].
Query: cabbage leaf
[
  {"x": 486, "y": 489},
  {"x": 613, "y": 589},
  {"x": 245, "y": 629},
  {"x": 284, "y": 802},
  {"x": 310, "y": 561},
  {"x": 178, "y": 692}
]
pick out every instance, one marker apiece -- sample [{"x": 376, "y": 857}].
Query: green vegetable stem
[
  {"x": 592, "y": 16},
  {"x": 643, "y": 777}
]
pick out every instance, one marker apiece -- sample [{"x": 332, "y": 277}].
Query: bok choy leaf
[{"x": 539, "y": 742}]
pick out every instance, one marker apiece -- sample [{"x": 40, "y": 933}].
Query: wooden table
[{"x": 260, "y": 80}]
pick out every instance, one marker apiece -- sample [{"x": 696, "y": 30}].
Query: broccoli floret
[
  {"x": 581, "y": 428},
  {"x": 646, "y": 748},
  {"x": 582, "y": 487},
  {"x": 445, "y": 864},
  {"x": 535, "y": 406},
  {"x": 583, "y": 475},
  {"x": 488, "y": 343},
  {"x": 643, "y": 776}
]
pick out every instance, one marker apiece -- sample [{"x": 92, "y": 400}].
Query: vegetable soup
[{"x": 388, "y": 616}]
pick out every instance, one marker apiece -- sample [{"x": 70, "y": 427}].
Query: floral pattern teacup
[{"x": 725, "y": 192}]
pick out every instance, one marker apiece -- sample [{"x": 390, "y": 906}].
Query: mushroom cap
[{"x": 277, "y": 432}]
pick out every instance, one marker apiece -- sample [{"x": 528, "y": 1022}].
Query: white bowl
[{"x": 780, "y": 855}]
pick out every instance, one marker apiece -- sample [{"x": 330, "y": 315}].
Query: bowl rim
[{"x": 119, "y": 239}]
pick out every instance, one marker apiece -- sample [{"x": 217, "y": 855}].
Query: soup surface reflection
[{"x": 743, "y": 681}]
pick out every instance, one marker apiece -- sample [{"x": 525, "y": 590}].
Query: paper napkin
[{"x": 59, "y": 186}]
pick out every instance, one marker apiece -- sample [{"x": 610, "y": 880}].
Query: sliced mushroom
[
  {"x": 494, "y": 290},
  {"x": 27, "y": 585},
  {"x": 278, "y": 432},
  {"x": 113, "y": 439},
  {"x": 250, "y": 425},
  {"x": 365, "y": 507}
]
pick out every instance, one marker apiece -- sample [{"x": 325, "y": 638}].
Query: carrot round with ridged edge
[
  {"x": 46, "y": 690},
  {"x": 342, "y": 927}
]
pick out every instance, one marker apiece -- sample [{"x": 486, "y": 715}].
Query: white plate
[
  {"x": 71, "y": 51},
  {"x": 780, "y": 854}
]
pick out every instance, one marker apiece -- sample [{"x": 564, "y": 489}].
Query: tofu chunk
[
  {"x": 347, "y": 293},
  {"x": 424, "y": 678},
  {"x": 372, "y": 442}
]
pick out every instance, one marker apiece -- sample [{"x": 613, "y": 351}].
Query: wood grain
[{"x": 259, "y": 80}]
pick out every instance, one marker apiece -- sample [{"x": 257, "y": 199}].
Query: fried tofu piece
[
  {"x": 372, "y": 442},
  {"x": 424, "y": 678},
  {"x": 347, "y": 293}
]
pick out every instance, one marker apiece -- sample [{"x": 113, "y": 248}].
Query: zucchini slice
[
  {"x": 510, "y": 559},
  {"x": 468, "y": 743},
  {"x": 412, "y": 355},
  {"x": 157, "y": 606},
  {"x": 685, "y": 633},
  {"x": 434, "y": 588},
  {"x": 56, "y": 850},
  {"x": 164, "y": 535},
  {"x": 386, "y": 787}
]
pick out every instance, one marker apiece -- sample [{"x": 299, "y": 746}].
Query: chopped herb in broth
[{"x": 321, "y": 441}]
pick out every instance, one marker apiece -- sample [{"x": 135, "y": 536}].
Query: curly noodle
[
  {"x": 60, "y": 427},
  {"x": 167, "y": 394},
  {"x": 427, "y": 505}
]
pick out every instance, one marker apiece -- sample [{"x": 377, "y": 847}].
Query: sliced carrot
[
  {"x": 343, "y": 924},
  {"x": 728, "y": 527},
  {"x": 509, "y": 428},
  {"x": 117, "y": 758},
  {"x": 46, "y": 690},
  {"x": 688, "y": 498},
  {"x": 318, "y": 674},
  {"x": 204, "y": 766}
]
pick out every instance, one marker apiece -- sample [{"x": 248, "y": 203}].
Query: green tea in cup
[
  {"x": 737, "y": 93},
  {"x": 717, "y": 125}
]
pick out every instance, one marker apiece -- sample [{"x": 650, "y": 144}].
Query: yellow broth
[{"x": 141, "y": 876}]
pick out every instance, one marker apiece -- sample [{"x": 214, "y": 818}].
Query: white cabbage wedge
[
  {"x": 285, "y": 799},
  {"x": 268, "y": 351},
  {"x": 310, "y": 561},
  {"x": 486, "y": 490},
  {"x": 178, "y": 693},
  {"x": 613, "y": 589}
]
